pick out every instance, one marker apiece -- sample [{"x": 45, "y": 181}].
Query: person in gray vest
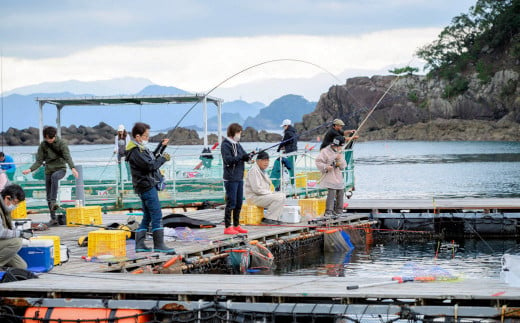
[{"x": 10, "y": 237}]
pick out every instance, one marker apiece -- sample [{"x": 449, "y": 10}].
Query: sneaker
[
  {"x": 271, "y": 222},
  {"x": 230, "y": 230},
  {"x": 240, "y": 230},
  {"x": 53, "y": 223}
]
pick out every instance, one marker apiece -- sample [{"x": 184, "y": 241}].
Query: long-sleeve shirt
[
  {"x": 257, "y": 182},
  {"x": 8, "y": 164},
  {"x": 7, "y": 230},
  {"x": 332, "y": 179},
  {"x": 55, "y": 156}
]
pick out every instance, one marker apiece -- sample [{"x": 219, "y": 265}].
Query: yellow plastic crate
[
  {"x": 312, "y": 207},
  {"x": 251, "y": 214},
  {"x": 107, "y": 242},
  {"x": 301, "y": 180},
  {"x": 56, "y": 240},
  {"x": 20, "y": 212},
  {"x": 313, "y": 176},
  {"x": 84, "y": 215}
]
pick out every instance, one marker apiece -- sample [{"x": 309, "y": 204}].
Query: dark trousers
[
  {"x": 51, "y": 187},
  {"x": 234, "y": 197}
]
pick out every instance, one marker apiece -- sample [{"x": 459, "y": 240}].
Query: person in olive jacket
[{"x": 54, "y": 153}]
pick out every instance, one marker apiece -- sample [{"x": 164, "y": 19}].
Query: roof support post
[
  {"x": 219, "y": 121},
  {"x": 58, "y": 118},
  {"x": 205, "y": 119},
  {"x": 41, "y": 103}
]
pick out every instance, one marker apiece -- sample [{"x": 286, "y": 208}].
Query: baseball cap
[
  {"x": 121, "y": 128},
  {"x": 286, "y": 122},
  {"x": 338, "y": 122}
]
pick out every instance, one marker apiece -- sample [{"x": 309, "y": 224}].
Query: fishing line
[{"x": 247, "y": 69}]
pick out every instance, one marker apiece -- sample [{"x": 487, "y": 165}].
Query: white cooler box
[{"x": 291, "y": 214}]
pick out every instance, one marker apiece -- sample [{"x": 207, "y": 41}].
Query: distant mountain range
[{"x": 20, "y": 110}]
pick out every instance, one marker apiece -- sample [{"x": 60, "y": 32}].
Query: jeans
[
  {"x": 151, "y": 210},
  {"x": 51, "y": 184},
  {"x": 234, "y": 197}
]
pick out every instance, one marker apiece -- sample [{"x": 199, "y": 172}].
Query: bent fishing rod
[
  {"x": 247, "y": 69},
  {"x": 294, "y": 137}
]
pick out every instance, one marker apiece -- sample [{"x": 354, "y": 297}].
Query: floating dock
[{"x": 172, "y": 297}]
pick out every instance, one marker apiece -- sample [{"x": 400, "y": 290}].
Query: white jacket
[
  {"x": 332, "y": 179},
  {"x": 257, "y": 183}
]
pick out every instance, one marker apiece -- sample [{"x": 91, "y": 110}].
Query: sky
[{"x": 196, "y": 45}]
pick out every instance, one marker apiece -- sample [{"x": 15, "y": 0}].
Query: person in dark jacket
[
  {"x": 233, "y": 158},
  {"x": 288, "y": 145},
  {"x": 335, "y": 131},
  {"x": 55, "y": 155},
  {"x": 144, "y": 167},
  {"x": 10, "y": 237}
]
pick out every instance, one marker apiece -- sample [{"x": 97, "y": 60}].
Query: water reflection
[{"x": 470, "y": 258}]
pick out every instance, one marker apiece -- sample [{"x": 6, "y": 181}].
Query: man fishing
[{"x": 335, "y": 131}]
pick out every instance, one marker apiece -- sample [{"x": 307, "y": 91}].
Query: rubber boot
[
  {"x": 53, "y": 221},
  {"x": 158, "y": 242},
  {"x": 140, "y": 237}
]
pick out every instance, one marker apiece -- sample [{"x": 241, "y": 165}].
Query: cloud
[{"x": 199, "y": 65}]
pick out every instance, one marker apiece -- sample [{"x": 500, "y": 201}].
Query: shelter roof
[{"x": 129, "y": 99}]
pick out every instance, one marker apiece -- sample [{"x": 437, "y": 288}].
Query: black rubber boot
[
  {"x": 53, "y": 220},
  {"x": 227, "y": 217},
  {"x": 158, "y": 242},
  {"x": 140, "y": 246}
]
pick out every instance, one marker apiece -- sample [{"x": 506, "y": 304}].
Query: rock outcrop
[{"x": 414, "y": 108}]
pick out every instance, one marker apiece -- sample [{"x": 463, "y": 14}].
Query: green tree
[
  {"x": 401, "y": 70},
  {"x": 489, "y": 23}
]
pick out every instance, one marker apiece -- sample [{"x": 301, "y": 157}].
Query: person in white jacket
[
  {"x": 331, "y": 162},
  {"x": 258, "y": 190}
]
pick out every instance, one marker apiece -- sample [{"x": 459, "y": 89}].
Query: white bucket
[{"x": 291, "y": 214}]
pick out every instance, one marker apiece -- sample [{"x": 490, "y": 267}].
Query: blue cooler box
[{"x": 38, "y": 254}]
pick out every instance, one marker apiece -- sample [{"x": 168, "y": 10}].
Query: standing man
[
  {"x": 144, "y": 166},
  {"x": 10, "y": 238},
  {"x": 288, "y": 145},
  {"x": 54, "y": 154},
  {"x": 336, "y": 130},
  {"x": 258, "y": 190},
  {"x": 7, "y": 165}
]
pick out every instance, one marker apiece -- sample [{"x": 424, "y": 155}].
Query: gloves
[
  {"x": 246, "y": 157},
  {"x": 26, "y": 234},
  {"x": 166, "y": 156}
]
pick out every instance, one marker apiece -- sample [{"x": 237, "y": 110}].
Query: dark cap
[{"x": 262, "y": 155}]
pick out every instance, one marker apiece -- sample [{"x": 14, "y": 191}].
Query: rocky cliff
[{"x": 415, "y": 108}]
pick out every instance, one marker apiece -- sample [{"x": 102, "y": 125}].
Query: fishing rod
[
  {"x": 247, "y": 69},
  {"x": 375, "y": 106},
  {"x": 295, "y": 137}
]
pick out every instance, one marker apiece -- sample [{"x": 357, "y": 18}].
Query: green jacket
[{"x": 55, "y": 156}]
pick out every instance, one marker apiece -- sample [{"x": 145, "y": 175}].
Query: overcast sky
[{"x": 195, "y": 45}]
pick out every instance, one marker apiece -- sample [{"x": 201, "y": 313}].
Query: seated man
[
  {"x": 258, "y": 190},
  {"x": 10, "y": 238}
]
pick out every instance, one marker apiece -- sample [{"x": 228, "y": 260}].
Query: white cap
[
  {"x": 286, "y": 122},
  {"x": 121, "y": 128}
]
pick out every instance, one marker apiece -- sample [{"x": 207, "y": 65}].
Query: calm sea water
[{"x": 396, "y": 170}]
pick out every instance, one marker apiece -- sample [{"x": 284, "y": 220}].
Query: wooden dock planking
[
  {"x": 212, "y": 240},
  {"x": 432, "y": 204},
  {"x": 246, "y": 287}
]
